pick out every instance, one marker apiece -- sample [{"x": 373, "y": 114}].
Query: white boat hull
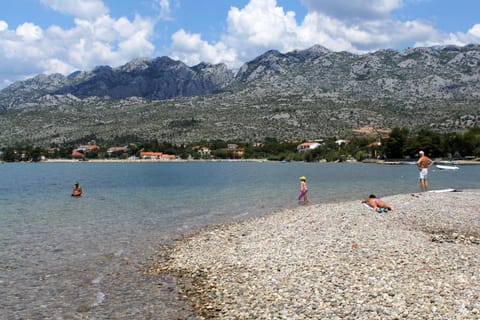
[{"x": 444, "y": 167}]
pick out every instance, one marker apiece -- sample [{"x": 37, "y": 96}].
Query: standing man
[{"x": 423, "y": 164}]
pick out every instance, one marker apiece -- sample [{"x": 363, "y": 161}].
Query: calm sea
[{"x": 80, "y": 258}]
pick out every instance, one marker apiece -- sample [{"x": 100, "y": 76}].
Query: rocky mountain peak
[
  {"x": 136, "y": 65},
  {"x": 160, "y": 78},
  {"x": 446, "y": 72}
]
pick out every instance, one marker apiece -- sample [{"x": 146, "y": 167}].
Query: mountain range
[
  {"x": 303, "y": 94},
  {"x": 157, "y": 79}
]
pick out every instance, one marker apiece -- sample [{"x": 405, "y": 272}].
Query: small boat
[{"x": 446, "y": 167}]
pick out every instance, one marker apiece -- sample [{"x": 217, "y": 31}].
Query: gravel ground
[{"x": 337, "y": 261}]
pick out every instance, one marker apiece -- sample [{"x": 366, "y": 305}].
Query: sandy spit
[{"x": 337, "y": 261}]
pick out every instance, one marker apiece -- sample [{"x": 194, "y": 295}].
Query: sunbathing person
[{"x": 376, "y": 203}]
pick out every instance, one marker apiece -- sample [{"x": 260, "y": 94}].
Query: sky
[{"x": 63, "y": 36}]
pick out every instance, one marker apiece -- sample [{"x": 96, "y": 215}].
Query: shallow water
[{"x": 63, "y": 257}]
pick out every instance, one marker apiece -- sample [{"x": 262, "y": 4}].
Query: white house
[
  {"x": 341, "y": 141},
  {"x": 307, "y": 146}
]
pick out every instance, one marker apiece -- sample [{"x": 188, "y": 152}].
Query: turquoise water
[{"x": 63, "y": 256}]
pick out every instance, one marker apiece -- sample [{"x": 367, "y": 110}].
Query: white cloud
[
  {"x": 258, "y": 27},
  {"x": 29, "y": 32},
  {"x": 30, "y": 50},
  {"x": 109, "y": 41},
  {"x": 136, "y": 45},
  {"x": 437, "y": 37},
  {"x": 164, "y": 9},
  {"x": 191, "y": 49},
  {"x": 84, "y": 9},
  {"x": 366, "y": 36},
  {"x": 459, "y": 38},
  {"x": 317, "y": 29},
  {"x": 354, "y": 9},
  {"x": 261, "y": 23},
  {"x": 475, "y": 32},
  {"x": 3, "y": 25},
  {"x": 56, "y": 66}
]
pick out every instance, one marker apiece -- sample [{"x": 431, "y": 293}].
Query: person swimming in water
[
  {"x": 376, "y": 203},
  {"x": 77, "y": 190}
]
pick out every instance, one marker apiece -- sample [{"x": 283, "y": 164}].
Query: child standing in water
[{"x": 303, "y": 190}]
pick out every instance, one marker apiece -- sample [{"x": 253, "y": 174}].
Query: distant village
[
  {"x": 116, "y": 152},
  {"x": 232, "y": 149},
  {"x": 372, "y": 144},
  {"x": 131, "y": 152}
]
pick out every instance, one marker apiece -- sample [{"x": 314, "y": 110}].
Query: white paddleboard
[{"x": 443, "y": 190}]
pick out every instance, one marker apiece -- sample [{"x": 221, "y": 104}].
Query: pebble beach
[{"x": 335, "y": 261}]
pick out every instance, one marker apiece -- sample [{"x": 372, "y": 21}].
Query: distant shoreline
[
  {"x": 407, "y": 162},
  {"x": 149, "y": 160},
  {"x": 372, "y": 161}
]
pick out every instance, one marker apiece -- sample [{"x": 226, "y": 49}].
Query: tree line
[{"x": 400, "y": 144}]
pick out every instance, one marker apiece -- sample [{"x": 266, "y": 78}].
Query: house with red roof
[
  {"x": 77, "y": 154},
  {"x": 202, "y": 150},
  {"x": 116, "y": 150},
  {"x": 83, "y": 150},
  {"x": 234, "y": 149},
  {"x": 310, "y": 145},
  {"x": 156, "y": 155}
]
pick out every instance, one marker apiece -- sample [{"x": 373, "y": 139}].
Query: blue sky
[{"x": 49, "y": 36}]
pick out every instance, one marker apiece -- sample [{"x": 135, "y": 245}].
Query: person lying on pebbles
[{"x": 376, "y": 203}]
